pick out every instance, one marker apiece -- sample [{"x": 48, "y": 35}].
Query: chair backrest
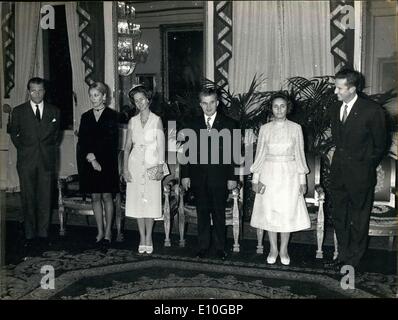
[
  {"x": 313, "y": 177},
  {"x": 385, "y": 186}
]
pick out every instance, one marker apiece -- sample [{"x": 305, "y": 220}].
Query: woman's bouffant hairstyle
[
  {"x": 101, "y": 87},
  {"x": 140, "y": 88},
  {"x": 284, "y": 96}
]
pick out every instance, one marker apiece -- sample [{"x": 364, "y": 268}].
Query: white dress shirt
[
  {"x": 212, "y": 118},
  {"x": 41, "y": 106},
  {"x": 349, "y": 104}
]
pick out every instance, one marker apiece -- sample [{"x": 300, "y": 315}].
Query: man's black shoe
[
  {"x": 43, "y": 243},
  {"x": 29, "y": 248},
  {"x": 201, "y": 254},
  {"x": 221, "y": 254},
  {"x": 29, "y": 243},
  {"x": 335, "y": 264}
]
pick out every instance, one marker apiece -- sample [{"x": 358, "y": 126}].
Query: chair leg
[
  {"x": 336, "y": 252},
  {"x": 181, "y": 221},
  {"x": 118, "y": 218},
  {"x": 320, "y": 231},
  {"x": 166, "y": 218},
  {"x": 236, "y": 238},
  {"x": 61, "y": 212},
  {"x": 235, "y": 221},
  {"x": 391, "y": 243},
  {"x": 167, "y": 241},
  {"x": 260, "y": 247}
]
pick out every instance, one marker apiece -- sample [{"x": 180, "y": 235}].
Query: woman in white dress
[
  {"x": 279, "y": 180},
  {"x": 144, "y": 149}
]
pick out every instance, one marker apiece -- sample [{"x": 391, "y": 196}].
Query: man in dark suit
[
  {"x": 35, "y": 131},
  {"x": 210, "y": 177},
  {"x": 359, "y": 134}
]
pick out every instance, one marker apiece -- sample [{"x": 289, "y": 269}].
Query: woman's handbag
[{"x": 152, "y": 171}]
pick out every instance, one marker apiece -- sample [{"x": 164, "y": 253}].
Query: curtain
[
  {"x": 27, "y": 19},
  {"x": 306, "y": 39},
  {"x": 279, "y": 39},
  {"x": 80, "y": 87},
  {"x": 91, "y": 32},
  {"x": 8, "y": 45},
  {"x": 257, "y": 45}
]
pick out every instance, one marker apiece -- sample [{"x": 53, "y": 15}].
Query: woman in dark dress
[{"x": 98, "y": 142}]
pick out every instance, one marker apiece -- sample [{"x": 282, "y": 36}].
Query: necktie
[
  {"x": 345, "y": 114},
  {"x": 37, "y": 112},
  {"x": 208, "y": 124}
]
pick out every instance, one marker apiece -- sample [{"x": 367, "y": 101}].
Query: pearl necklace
[{"x": 98, "y": 110}]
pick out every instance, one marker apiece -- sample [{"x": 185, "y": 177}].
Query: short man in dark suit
[
  {"x": 359, "y": 134},
  {"x": 35, "y": 134},
  {"x": 211, "y": 180}
]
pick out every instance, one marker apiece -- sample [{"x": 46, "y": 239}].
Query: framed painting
[
  {"x": 148, "y": 80},
  {"x": 182, "y": 60},
  {"x": 387, "y": 73}
]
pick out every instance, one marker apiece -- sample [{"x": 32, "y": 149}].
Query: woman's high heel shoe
[
  {"x": 99, "y": 240},
  {"x": 141, "y": 249},
  {"x": 285, "y": 260},
  {"x": 149, "y": 249},
  {"x": 272, "y": 259}
]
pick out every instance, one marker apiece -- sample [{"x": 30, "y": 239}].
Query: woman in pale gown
[
  {"x": 144, "y": 148},
  {"x": 279, "y": 180}
]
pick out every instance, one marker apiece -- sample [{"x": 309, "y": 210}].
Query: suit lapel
[
  {"x": 45, "y": 122},
  {"x": 202, "y": 122},
  {"x": 29, "y": 112},
  {"x": 46, "y": 115},
  {"x": 352, "y": 116},
  {"x": 30, "y": 115},
  {"x": 217, "y": 122}
]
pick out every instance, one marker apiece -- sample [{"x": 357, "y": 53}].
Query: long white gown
[
  {"x": 143, "y": 195},
  {"x": 281, "y": 166}
]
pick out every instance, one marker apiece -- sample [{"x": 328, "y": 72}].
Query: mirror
[{"x": 145, "y": 52}]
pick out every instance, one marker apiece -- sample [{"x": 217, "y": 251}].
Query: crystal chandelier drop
[{"x": 130, "y": 51}]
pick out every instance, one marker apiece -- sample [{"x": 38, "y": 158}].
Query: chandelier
[{"x": 130, "y": 51}]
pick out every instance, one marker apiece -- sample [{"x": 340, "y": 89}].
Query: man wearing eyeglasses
[{"x": 35, "y": 131}]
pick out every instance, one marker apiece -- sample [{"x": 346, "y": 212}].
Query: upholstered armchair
[
  {"x": 233, "y": 213},
  {"x": 383, "y": 218},
  {"x": 72, "y": 201}
]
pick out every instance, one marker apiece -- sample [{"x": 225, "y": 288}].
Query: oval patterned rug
[{"x": 121, "y": 274}]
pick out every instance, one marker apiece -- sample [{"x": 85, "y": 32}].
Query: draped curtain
[
  {"x": 80, "y": 87},
  {"x": 279, "y": 39},
  {"x": 27, "y": 65}
]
